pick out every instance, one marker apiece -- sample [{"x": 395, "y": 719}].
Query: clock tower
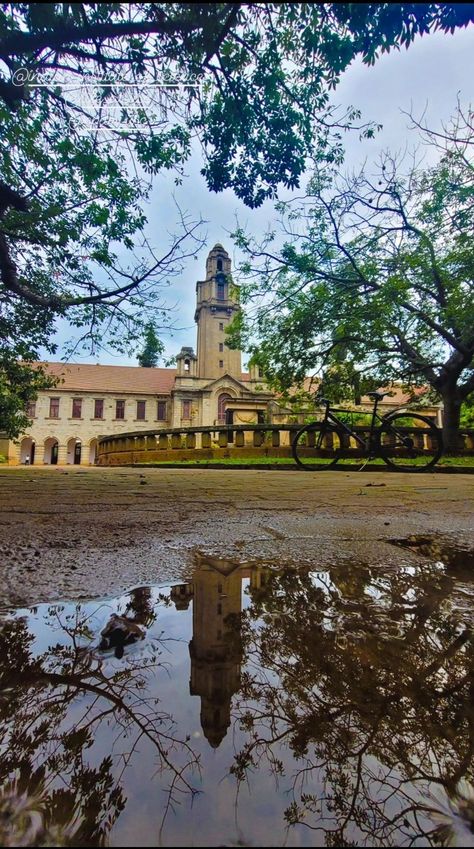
[{"x": 216, "y": 306}]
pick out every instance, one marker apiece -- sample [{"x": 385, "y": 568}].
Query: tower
[{"x": 216, "y": 305}]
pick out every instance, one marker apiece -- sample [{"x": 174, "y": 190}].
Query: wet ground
[
  {"x": 306, "y": 676},
  {"x": 73, "y": 533}
]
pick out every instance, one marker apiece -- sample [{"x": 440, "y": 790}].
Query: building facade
[{"x": 206, "y": 388}]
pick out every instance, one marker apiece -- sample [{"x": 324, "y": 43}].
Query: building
[{"x": 206, "y": 388}]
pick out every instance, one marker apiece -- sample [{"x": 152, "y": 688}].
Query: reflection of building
[
  {"x": 204, "y": 389},
  {"x": 215, "y": 648}
]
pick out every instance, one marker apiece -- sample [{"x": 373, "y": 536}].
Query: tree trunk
[{"x": 451, "y": 416}]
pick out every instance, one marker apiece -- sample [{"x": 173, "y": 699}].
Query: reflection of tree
[
  {"x": 367, "y": 678},
  {"x": 57, "y": 704},
  {"x": 140, "y": 607}
]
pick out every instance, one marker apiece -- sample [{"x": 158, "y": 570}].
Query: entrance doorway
[
  {"x": 27, "y": 451},
  {"x": 51, "y": 447},
  {"x": 74, "y": 450}
]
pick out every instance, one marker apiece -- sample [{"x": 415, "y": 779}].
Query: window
[
  {"x": 221, "y": 346},
  {"x": 31, "y": 409},
  {"x": 186, "y": 365},
  {"x": 54, "y": 408},
  {"x": 186, "y": 410},
  {"x": 77, "y": 408},
  {"x": 161, "y": 411},
  {"x": 99, "y": 408},
  {"x": 219, "y": 264},
  {"x": 120, "y": 409},
  {"x": 220, "y": 291},
  {"x": 259, "y": 371},
  {"x": 141, "y": 410},
  {"x": 221, "y": 325},
  {"x": 221, "y": 363}
]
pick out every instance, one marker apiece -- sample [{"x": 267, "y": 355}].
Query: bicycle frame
[{"x": 365, "y": 444}]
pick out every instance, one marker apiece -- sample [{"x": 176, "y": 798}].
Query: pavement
[{"x": 71, "y": 532}]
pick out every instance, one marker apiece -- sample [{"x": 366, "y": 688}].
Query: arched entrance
[
  {"x": 74, "y": 450},
  {"x": 51, "y": 446},
  {"x": 93, "y": 450},
  {"x": 223, "y": 416},
  {"x": 27, "y": 451}
]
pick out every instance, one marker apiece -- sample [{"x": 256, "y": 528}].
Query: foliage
[
  {"x": 376, "y": 278},
  {"x": 153, "y": 347},
  {"x": 19, "y": 384},
  {"x": 467, "y": 413},
  {"x": 253, "y": 83}
]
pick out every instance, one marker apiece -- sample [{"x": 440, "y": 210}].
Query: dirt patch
[{"x": 70, "y": 533}]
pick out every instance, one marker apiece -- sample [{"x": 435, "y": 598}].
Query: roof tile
[{"x": 89, "y": 377}]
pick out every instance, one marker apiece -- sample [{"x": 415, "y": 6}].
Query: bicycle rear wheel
[
  {"x": 320, "y": 446},
  {"x": 409, "y": 442}
]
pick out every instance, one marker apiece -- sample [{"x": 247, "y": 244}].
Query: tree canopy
[
  {"x": 377, "y": 271},
  {"x": 96, "y": 99}
]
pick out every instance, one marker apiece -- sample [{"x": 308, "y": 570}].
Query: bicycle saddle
[{"x": 378, "y": 395}]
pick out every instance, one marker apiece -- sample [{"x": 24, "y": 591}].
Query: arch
[
  {"x": 93, "y": 451},
  {"x": 74, "y": 451},
  {"x": 27, "y": 451},
  {"x": 51, "y": 447},
  {"x": 219, "y": 264},
  {"x": 221, "y": 402}
]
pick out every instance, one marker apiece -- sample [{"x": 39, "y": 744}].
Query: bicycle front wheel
[
  {"x": 409, "y": 442},
  {"x": 320, "y": 446}
]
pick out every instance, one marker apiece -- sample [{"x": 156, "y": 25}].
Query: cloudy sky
[{"x": 428, "y": 76}]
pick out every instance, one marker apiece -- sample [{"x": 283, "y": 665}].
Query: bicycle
[{"x": 405, "y": 441}]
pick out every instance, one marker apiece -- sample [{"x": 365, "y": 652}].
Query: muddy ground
[{"x": 70, "y": 533}]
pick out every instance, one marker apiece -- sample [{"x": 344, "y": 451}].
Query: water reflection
[{"x": 341, "y": 698}]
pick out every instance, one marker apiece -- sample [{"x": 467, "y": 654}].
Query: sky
[{"x": 426, "y": 78}]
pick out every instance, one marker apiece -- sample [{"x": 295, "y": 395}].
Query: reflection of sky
[
  {"x": 221, "y": 814},
  {"x": 427, "y": 75}
]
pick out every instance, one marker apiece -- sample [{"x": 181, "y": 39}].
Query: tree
[
  {"x": 77, "y": 162},
  {"x": 152, "y": 348},
  {"x": 383, "y": 269}
]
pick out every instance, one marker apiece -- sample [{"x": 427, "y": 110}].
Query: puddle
[
  {"x": 265, "y": 707},
  {"x": 457, "y": 558}
]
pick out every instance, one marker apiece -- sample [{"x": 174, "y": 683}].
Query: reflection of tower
[
  {"x": 215, "y": 649},
  {"x": 216, "y": 305}
]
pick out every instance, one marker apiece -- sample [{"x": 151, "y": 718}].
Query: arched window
[
  {"x": 186, "y": 365},
  {"x": 219, "y": 264}
]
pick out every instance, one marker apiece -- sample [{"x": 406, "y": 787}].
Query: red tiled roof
[
  {"x": 397, "y": 395},
  {"x": 87, "y": 377}
]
